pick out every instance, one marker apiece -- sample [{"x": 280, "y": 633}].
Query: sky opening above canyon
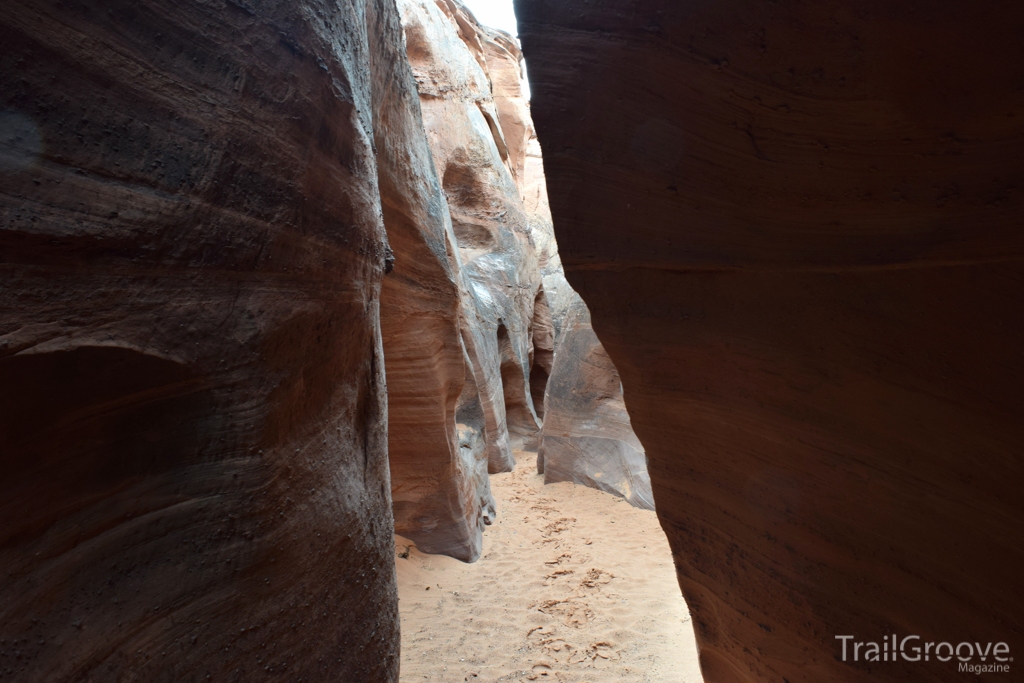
[
  {"x": 501, "y": 15},
  {"x": 494, "y": 13}
]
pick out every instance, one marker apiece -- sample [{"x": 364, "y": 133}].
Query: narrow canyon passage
[
  {"x": 281, "y": 280},
  {"x": 574, "y": 585}
]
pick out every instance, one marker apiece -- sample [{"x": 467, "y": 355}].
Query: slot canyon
[{"x": 308, "y": 305}]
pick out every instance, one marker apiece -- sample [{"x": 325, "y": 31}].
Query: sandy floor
[{"x": 574, "y": 586}]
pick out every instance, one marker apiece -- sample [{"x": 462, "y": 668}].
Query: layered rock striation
[
  {"x": 470, "y": 344},
  {"x": 437, "y": 441},
  {"x": 192, "y": 392},
  {"x": 797, "y": 229}
]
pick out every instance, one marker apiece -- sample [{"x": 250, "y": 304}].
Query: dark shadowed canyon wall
[
  {"x": 797, "y": 226},
  {"x": 193, "y": 473}
]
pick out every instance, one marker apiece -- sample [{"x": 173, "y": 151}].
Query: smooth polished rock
[
  {"x": 587, "y": 437},
  {"x": 797, "y": 227}
]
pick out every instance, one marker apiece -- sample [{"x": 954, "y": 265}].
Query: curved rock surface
[
  {"x": 450, "y": 55},
  {"x": 192, "y": 400},
  {"x": 797, "y": 228},
  {"x": 440, "y": 487},
  {"x": 558, "y": 295},
  {"x": 587, "y": 438},
  {"x": 513, "y": 300},
  {"x": 467, "y": 332}
]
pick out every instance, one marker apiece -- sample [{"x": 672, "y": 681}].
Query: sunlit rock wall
[
  {"x": 500, "y": 276},
  {"x": 436, "y": 427},
  {"x": 514, "y": 300},
  {"x": 558, "y": 294},
  {"x": 495, "y": 227}
]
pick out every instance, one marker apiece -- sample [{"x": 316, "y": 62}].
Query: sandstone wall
[
  {"x": 464, "y": 319},
  {"x": 513, "y": 299},
  {"x": 192, "y": 397},
  {"x": 587, "y": 438},
  {"x": 797, "y": 228},
  {"x": 558, "y": 294},
  {"x": 440, "y": 486},
  {"x": 500, "y": 276}
]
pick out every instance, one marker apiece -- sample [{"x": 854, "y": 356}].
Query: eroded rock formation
[
  {"x": 514, "y": 302},
  {"x": 467, "y": 333},
  {"x": 512, "y": 298},
  {"x": 192, "y": 399},
  {"x": 587, "y": 438},
  {"x": 440, "y": 487},
  {"x": 797, "y": 228}
]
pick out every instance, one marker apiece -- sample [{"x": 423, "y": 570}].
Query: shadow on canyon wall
[
  {"x": 250, "y": 249},
  {"x": 798, "y": 229}
]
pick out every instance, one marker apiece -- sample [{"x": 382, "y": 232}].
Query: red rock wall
[
  {"x": 797, "y": 228},
  {"x": 504, "y": 68},
  {"x": 467, "y": 332},
  {"x": 192, "y": 394},
  {"x": 440, "y": 487},
  {"x": 499, "y": 266}
]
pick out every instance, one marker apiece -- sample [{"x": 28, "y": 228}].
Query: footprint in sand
[
  {"x": 568, "y": 558},
  {"x": 595, "y": 578},
  {"x": 602, "y": 650},
  {"x": 552, "y": 578},
  {"x": 544, "y": 638},
  {"x": 542, "y": 671},
  {"x": 573, "y": 611},
  {"x": 551, "y": 532},
  {"x": 558, "y": 526}
]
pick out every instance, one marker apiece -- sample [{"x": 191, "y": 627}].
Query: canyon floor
[{"x": 574, "y": 586}]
